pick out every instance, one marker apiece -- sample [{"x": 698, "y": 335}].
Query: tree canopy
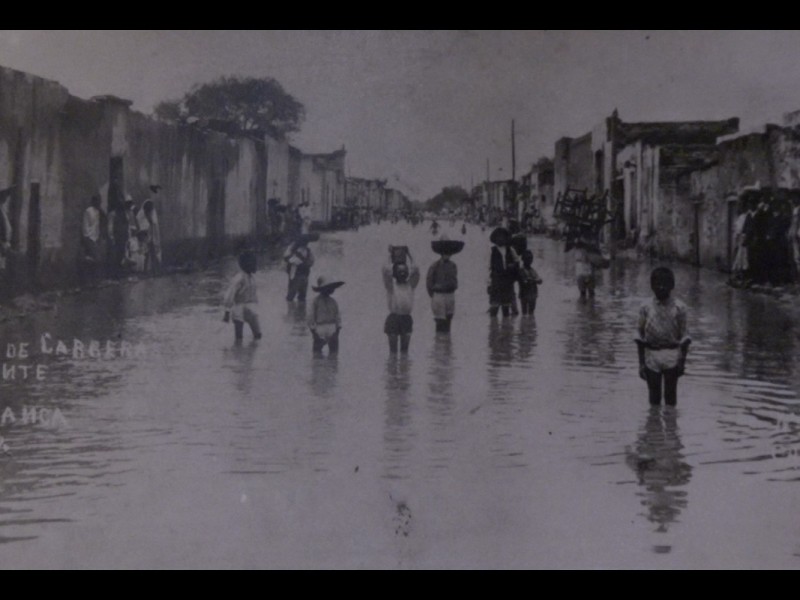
[
  {"x": 240, "y": 104},
  {"x": 450, "y": 197}
]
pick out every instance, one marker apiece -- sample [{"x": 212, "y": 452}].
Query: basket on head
[
  {"x": 399, "y": 254},
  {"x": 324, "y": 285},
  {"x": 448, "y": 247},
  {"x": 500, "y": 236},
  {"x": 305, "y": 238}
]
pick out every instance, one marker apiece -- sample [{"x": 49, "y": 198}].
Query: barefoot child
[
  {"x": 442, "y": 282},
  {"x": 400, "y": 280},
  {"x": 662, "y": 341},
  {"x": 324, "y": 320},
  {"x": 241, "y": 298},
  {"x": 584, "y": 270},
  {"x": 529, "y": 281}
]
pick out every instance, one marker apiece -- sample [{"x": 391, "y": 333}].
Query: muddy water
[{"x": 523, "y": 442}]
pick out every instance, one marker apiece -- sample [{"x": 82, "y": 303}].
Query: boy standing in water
[
  {"x": 529, "y": 281},
  {"x": 241, "y": 298},
  {"x": 324, "y": 321},
  {"x": 400, "y": 280},
  {"x": 662, "y": 341},
  {"x": 442, "y": 283}
]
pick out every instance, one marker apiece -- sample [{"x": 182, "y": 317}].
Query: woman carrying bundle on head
[{"x": 442, "y": 282}]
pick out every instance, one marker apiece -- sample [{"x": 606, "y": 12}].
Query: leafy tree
[
  {"x": 451, "y": 197},
  {"x": 241, "y": 104}
]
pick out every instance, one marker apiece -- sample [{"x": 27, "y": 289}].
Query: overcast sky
[{"x": 429, "y": 107}]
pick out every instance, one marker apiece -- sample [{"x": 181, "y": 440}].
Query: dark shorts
[
  {"x": 585, "y": 282},
  {"x": 398, "y": 324},
  {"x": 501, "y": 292}
]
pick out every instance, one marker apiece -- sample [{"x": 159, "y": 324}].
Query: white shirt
[
  {"x": 91, "y": 224},
  {"x": 583, "y": 267}
]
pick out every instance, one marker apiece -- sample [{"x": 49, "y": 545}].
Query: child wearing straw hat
[{"x": 324, "y": 319}]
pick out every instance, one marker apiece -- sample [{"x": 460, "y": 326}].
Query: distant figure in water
[
  {"x": 584, "y": 270},
  {"x": 241, "y": 298},
  {"x": 324, "y": 319},
  {"x": 464, "y": 229},
  {"x": 529, "y": 281},
  {"x": 661, "y": 339},
  {"x": 400, "y": 280},
  {"x": 435, "y": 227},
  {"x": 299, "y": 260}
]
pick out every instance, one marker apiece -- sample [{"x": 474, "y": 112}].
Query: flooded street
[{"x": 511, "y": 443}]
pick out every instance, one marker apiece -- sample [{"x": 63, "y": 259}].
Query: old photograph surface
[{"x": 399, "y": 299}]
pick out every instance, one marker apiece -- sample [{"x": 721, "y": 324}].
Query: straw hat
[
  {"x": 500, "y": 236},
  {"x": 447, "y": 246},
  {"x": 325, "y": 285},
  {"x": 305, "y": 238}
]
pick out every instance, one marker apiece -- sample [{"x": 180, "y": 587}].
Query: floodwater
[{"x": 512, "y": 443}]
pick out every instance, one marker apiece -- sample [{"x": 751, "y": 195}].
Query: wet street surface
[{"x": 524, "y": 442}]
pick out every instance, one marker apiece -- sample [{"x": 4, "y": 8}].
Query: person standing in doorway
[
  {"x": 304, "y": 216},
  {"x": 148, "y": 221},
  {"x": 741, "y": 230},
  {"x": 794, "y": 234},
  {"x": 121, "y": 229},
  {"x": 90, "y": 237},
  {"x": 5, "y": 246},
  {"x": 758, "y": 257}
]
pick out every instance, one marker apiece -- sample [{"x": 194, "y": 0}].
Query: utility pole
[
  {"x": 514, "y": 202},
  {"x": 513, "y": 154}
]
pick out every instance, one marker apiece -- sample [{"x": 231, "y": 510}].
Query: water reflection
[
  {"x": 586, "y": 342},
  {"x": 398, "y": 435},
  {"x": 242, "y": 357},
  {"x": 491, "y": 407},
  {"x": 296, "y": 317},
  {"x": 501, "y": 348},
  {"x": 527, "y": 337},
  {"x": 440, "y": 381},
  {"x": 767, "y": 355},
  {"x": 658, "y": 462},
  {"x": 441, "y": 400},
  {"x": 324, "y": 371}
]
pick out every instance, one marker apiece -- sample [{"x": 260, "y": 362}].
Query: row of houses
[
  {"x": 674, "y": 186},
  {"x": 374, "y": 195},
  {"x": 319, "y": 181},
  {"x": 57, "y": 151}
]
